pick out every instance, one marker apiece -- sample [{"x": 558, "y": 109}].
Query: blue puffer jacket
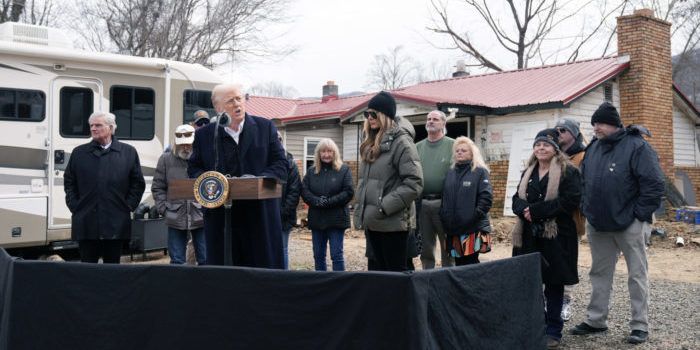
[
  {"x": 466, "y": 199},
  {"x": 622, "y": 180}
]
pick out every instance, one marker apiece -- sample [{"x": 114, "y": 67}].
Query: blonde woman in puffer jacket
[{"x": 390, "y": 179}]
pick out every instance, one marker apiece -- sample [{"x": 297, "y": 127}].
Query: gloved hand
[{"x": 322, "y": 202}]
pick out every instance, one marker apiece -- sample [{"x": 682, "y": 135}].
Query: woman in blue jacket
[
  {"x": 466, "y": 200},
  {"x": 327, "y": 189}
]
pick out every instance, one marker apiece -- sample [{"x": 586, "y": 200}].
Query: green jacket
[{"x": 387, "y": 188}]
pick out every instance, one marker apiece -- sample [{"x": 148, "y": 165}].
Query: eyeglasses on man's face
[
  {"x": 183, "y": 134},
  {"x": 370, "y": 114},
  {"x": 561, "y": 130}
]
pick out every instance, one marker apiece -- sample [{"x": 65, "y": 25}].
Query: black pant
[
  {"x": 92, "y": 249},
  {"x": 389, "y": 248},
  {"x": 467, "y": 260}
]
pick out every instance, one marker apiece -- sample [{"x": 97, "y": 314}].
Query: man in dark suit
[{"x": 243, "y": 145}]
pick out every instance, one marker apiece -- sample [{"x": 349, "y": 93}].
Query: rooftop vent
[{"x": 33, "y": 34}]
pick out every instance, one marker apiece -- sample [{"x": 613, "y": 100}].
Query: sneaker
[
  {"x": 553, "y": 343},
  {"x": 566, "y": 311},
  {"x": 637, "y": 337},
  {"x": 584, "y": 329}
]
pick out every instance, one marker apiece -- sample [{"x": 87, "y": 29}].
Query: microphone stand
[{"x": 228, "y": 240}]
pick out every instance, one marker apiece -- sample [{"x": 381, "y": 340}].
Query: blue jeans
[
  {"x": 554, "y": 297},
  {"x": 177, "y": 245},
  {"x": 285, "y": 247},
  {"x": 320, "y": 238}
]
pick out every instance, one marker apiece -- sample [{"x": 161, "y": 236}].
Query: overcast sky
[{"x": 338, "y": 39}]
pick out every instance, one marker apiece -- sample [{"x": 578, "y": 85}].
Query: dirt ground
[{"x": 666, "y": 260}]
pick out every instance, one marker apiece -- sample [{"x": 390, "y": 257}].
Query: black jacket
[
  {"x": 290, "y": 194},
  {"x": 102, "y": 188},
  {"x": 559, "y": 255},
  {"x": 336, "y": 187},
  {"x": 467, "y": 197},
  {"x": 622, "y": 180}
]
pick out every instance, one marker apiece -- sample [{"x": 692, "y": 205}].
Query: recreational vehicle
[{"x": 47, "y": 92}]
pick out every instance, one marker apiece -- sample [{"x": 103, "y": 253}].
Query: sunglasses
[
  {"x": 370, "y": 114},
  {"x": 183, "y": 134},
  {"x": 562, "y": 130},
  {"x": 202, "y": 122}
]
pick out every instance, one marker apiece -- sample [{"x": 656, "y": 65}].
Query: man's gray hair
[
  {"x": 439, "y": 113},
  {"x": 110, "y": 119},
  {"x": 201, "y": 113},
  {"x": 221, "y": 88}
]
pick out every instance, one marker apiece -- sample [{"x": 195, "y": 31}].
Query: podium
[{"x": 240, "y": 188}]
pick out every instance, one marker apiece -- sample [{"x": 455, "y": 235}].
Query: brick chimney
[
  {"x": 646, "y": 90},
  {"x": 330, "y": 91}
]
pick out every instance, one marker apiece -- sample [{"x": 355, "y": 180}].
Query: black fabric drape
[{"x": 50, "y": 305}]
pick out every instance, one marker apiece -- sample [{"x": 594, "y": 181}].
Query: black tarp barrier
[{"x": 58, "y": 305}]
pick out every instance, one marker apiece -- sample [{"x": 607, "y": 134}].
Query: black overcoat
[
  {"x": 102, "y": 188},
  {"x": 257, "y": 228},
  {"x": 559, "y": 255},
  {"x": 290, "y": 194},
  {"x": 467, "y": 197}
]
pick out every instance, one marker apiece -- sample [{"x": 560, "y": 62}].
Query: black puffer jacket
[
  {"x": 467, "y": 197},
  {"x": 290, "y": 194},
  {"x": 336, "y": 187},
  {"x": 622, "y": 180}
]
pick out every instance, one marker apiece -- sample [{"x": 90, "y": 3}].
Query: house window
[
  {"x": 76, "y": 105},
  {"x": 309, "y": 149},
  {"x": 608, "y": 92},
  {"x": 134, "y": 108},
  {"x": 194, "y": 100},
  {"x": 22, "y": 105}
]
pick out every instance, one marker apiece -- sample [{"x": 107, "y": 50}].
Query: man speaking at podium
[{"x": 245, "y": 145}]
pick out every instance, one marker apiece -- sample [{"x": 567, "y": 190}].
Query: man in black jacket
[
  {"x": 290, "y": 200},
  {"x": 623, "y": 185},
  {"x": 103, "y": 184}
]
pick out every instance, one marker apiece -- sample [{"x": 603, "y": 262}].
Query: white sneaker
[{"x": 566, "y": 311}]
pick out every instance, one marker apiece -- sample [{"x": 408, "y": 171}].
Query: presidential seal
[{"x": 211, "y": 189}]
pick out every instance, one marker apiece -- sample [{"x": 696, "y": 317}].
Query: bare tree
[
  {"x": 393, "y": 70},
  {"x": 435, "y": 70},
  {"x": 273, "y": 89},
  {"x": 208, "y": 32},
  {"x": 42, "y": 12},
  {"x": 11, "y": 10},
  {"x": 524, "y": 28}
]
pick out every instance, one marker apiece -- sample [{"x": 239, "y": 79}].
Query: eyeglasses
[
  {"x": 562, "y": 130},
  {"x": 370, "y": 114},
  {"x": 201, "y": 122},
  {"x": 183, "y": 134}
]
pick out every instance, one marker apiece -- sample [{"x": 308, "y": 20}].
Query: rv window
[
  {"x": 76, "y": 105},
  {"x": 22, "y": 105},
  {"x": 135, "y": 111},
  {"x": 194, "y": 100}
]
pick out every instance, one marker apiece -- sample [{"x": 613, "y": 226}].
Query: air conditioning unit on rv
[{"x": 33, "y": 34}]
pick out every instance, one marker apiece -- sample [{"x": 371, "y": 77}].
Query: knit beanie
[
  {"x": 550, "y": 136},
  {"x": 570, "y": 125},
  {"x": 606, "y": 114},
  {"x": 385, "y": 103}
]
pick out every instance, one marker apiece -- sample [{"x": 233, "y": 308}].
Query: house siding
[{"x": 684, "y": 142}]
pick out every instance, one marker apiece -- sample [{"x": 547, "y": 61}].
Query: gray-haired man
[{"x": 435, "y": 154}]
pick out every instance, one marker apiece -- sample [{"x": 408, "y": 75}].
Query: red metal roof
[
  {"x": 561, "y": 83},
  {"x": 556, "y": 83}
]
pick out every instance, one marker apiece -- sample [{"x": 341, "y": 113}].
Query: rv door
[{"x": 73, "y": 100}]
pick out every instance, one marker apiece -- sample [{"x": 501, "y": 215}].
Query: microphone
[{"x": 222, "y": 119}]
